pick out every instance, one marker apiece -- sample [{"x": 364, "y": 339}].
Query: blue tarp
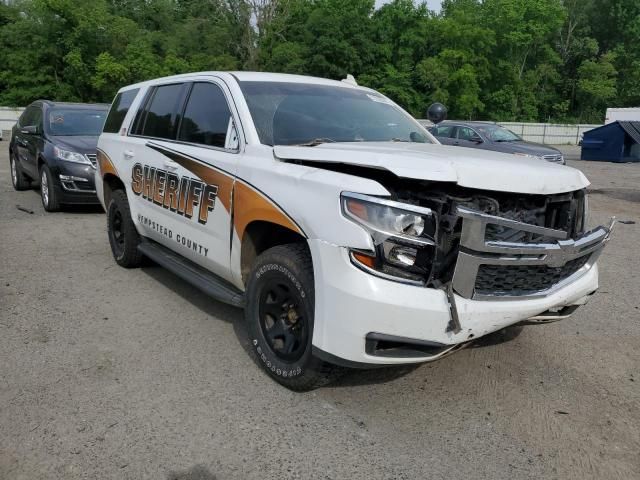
[{"x": 615, "y": 142}]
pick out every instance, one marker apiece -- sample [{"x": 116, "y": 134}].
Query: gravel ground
[{"x": 130, "y": 374}]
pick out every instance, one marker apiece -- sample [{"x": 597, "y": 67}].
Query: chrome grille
[
  {"x": 519, "y": 280},
  {"x": 93, "y": 158},
  {"x": 498, "y": 269}
]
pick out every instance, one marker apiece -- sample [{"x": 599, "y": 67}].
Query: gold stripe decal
[
  {"x": 249, "y": 204},
  {"x": 105, "y": 165}
]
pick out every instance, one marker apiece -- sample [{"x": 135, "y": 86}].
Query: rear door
[
  {"x": 444, "y": 133},
  {"x": 25, "y": 143},
  {"x": 34, "y": 141},
  {"x": 467, "y": 136},
  {"x": 155, "y": 123}
]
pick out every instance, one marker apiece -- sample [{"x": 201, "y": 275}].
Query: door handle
[
  {"x": 171, "y": 165},
  {"x": 128, "y": 154}
]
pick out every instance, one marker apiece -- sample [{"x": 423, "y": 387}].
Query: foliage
[{"x": 537, "y": 60}]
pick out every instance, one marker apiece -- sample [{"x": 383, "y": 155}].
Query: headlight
[
  {"x": 403, "y": 236},
  {"x": 68, "y": 156},
  {"x": 537, "y": 157}
]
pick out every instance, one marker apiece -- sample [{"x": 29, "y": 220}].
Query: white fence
[
  {"x": 9, "y": 116},
  {"x": 548, "y": 133}
]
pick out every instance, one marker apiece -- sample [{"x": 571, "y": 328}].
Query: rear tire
[
  {"x": 18, "y": 179},
  {"x": 279, "y": 318},
  {"x": 48, "y": 192},
  {"x": 123, "y": 236}
]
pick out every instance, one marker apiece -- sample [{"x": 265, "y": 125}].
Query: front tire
[
  {"x": 48, "y": 193},
  {"x": 18, "y": 178},
  {"x": 123, "y": 236},
  {"x": 279, "y": 317}
]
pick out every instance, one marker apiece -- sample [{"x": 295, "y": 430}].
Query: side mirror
[
  {"x": 29, "y": 130},
  {"x": 477, "y": 140}
]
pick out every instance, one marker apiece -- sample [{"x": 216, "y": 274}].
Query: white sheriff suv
[{"x": 350, "y": 236}]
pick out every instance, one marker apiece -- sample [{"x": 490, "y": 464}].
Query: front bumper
[
  {"x": 351, "y": 305},
  {"x": 75, "y": 183}
]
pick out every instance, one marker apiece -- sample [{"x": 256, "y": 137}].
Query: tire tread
[
  {"x": 132, "y": 256},
  {"x": 317, "y": 372}
]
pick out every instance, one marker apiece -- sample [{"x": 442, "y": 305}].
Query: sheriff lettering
[{"x": 182, "y": 195}]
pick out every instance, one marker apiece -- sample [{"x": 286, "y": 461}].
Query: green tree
[
  {"x": 596, "y": 87},
  {"x": 485, "y": 59}
]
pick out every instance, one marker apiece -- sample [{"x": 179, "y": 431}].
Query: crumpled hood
[{"x": 472, "y": 168}]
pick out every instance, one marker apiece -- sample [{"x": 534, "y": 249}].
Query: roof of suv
[
  {"x": 467, "y": 122},
  {"x": 249, "y": 77},
  {"x": 52, "y": 104}
]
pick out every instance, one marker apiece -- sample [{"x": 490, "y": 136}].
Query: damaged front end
[{"x": 480, "y": 245}]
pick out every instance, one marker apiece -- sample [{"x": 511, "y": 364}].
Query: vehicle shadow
[
  {"x": 197, "y": 472},
  {"x": 499, "y": 337},
  {"x": 386, "y": 374},
  {"x": 234, "y": 316},
  {"x": 73, "y": 209},
  {"x": 372, "y": 376},
  {"x": 191, "y": 294},
  {"x": 82, "y": 209}
]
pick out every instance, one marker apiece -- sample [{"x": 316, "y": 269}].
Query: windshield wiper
[{"x": 315, "y": 142}]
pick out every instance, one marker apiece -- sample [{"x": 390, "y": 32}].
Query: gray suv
[{"x": 490, "y": 136}]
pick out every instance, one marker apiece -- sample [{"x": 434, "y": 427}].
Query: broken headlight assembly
[{"x": 403, "y": 237}]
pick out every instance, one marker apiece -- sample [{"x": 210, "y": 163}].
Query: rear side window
[
  {"x": 466, "y": 133},
  {"x": 444, "y": 131},
  {"x": 119, "y": 109},
  {"x": 162, "y": 112},
  {"x": 206, "y": 117},
  {"x": 28, "y": 117}
]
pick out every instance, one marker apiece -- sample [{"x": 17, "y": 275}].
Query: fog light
[
  {"x": 69, "y": 178},
  {"x": 403, "y": 255}
]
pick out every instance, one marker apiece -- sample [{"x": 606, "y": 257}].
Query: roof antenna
[{"x": 350, "y": 80}]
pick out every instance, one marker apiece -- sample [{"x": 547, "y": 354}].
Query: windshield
[
  {"x": 296, "y": 113},
  {"x": 74, "y": 122},
  {"x": 496, "y": 133}
]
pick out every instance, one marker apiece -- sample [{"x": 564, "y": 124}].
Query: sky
[{"x": 433, "y": 4}]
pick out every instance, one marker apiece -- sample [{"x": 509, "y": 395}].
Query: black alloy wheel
[
  {"x": 283, "y": 320},
  {"x": 279, "y": 316},
  {"x": 117, "y": 233}
]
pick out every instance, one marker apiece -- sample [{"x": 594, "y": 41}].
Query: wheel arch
[
  {"x": 259, "y": 236},
  {"x": 110, "y": 183},
  {"x": 41, "y": 161}
]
